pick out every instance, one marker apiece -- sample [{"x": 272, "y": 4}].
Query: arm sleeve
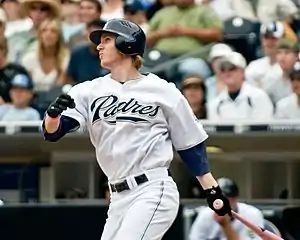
[
  {"x": 185, "y": 130},
  {"x": 80, "y": 112},
  {"x": 264, "y": 108},
  {"x": 287, "y": 8},
  {"x": 66, "y": 125},
  {"x": 280, "y": 111}
]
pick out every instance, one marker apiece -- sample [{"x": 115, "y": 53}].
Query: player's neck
[{"x": 122, "y": 74}]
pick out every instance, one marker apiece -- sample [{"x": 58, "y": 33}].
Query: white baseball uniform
[
  {"x": 133, "y": 126},
  {"x": 206, "y": 228}
]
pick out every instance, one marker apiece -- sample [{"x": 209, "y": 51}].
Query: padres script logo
[{"x": 109, "y": 106}]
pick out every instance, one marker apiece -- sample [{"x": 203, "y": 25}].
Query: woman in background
[
  {"x": 48, "y": 64},
  {"x": 112, "y": 9},
  {"x": 194, "y": 90}
]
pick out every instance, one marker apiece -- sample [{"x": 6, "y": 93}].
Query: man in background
[
  {"x": 89, "y": 11},
  {"x": 84, "y": 62},
  {"x": 21, "y": 94},
  {"x": 210, "y": 226}
]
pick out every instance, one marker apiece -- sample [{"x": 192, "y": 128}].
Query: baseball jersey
[
  {"x": 206, "y": 228},
  {"x": 134, "y": 125}
]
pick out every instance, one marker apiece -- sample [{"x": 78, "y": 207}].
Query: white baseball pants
[{"x": 144, "y": 212}]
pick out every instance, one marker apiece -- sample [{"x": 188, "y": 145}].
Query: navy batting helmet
[
  {"x": 228, "y": 187},
  {"x": 130, "y": 40}
]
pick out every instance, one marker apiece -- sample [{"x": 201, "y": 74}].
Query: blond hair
[
  {"x": 137, "y": 61},
  {"x": 61, "y": 51}
]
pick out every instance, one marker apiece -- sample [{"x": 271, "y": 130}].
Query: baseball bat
[{"x": 264, "y": 234}]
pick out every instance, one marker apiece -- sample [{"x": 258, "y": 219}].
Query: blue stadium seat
[{"x": 271, "y": 227}]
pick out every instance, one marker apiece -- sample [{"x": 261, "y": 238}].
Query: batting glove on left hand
[
  {"x": 214, "y": 194},
  {"x": 60, "y": 104}
]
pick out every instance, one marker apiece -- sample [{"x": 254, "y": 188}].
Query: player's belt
[{"x": 122, "y": 186}]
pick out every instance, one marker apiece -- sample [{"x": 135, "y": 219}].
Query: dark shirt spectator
[{"x": 84, "y": 64}]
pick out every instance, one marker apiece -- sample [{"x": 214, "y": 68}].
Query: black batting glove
[
  {"x": 214, "y": 194},
  {"x": 60, "y": 104}
]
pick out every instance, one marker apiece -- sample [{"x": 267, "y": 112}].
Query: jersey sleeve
[
  {"x": 80, "y": 112},
  {"x": 185, "y": 130}
]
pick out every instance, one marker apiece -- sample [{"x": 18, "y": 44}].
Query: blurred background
[{"x": 236, "y": 62}]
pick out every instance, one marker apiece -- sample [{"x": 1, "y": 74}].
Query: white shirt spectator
[
  {"x": 42, "y": 81},
  {"x": 251, "y": 103},
  {"x": 267, "y": 10},
  {"x": 276, "y": 85},
  {"x": 288, "y": 108},
  {"x": 257, "y": 70},
  {"x": 205, "y": 227}
]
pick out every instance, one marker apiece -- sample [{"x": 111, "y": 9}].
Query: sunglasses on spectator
[
  {"x": 40, "y": 8},
  {"x": 227, "y": 67}
]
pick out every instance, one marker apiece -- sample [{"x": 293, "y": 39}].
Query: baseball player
[
  {"x": 209, "y": 226},
  {"x": 134, "y": 120}
]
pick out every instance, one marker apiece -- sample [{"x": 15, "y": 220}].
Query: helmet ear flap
[{"x": 124, "y": 46}]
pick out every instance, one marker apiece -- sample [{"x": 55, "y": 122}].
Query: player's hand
[
  {"x": 60, "y": 104},
  {"x": 215, "y": 194}
]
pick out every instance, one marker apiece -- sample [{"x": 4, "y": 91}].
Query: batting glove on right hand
[
  {"x": 60, "y": 104},
  {"x": 214, "y": 194}
]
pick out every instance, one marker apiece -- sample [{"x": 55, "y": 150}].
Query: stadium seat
[
  {"x": 271, "y": 227},
  {"x": 243, "y": 36}
]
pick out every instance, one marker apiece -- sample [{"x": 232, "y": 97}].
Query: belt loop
[{"x": 131, "y": 182}]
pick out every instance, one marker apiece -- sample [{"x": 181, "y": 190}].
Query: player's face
[
  {"x": 108, "y": 54},
  {"x": 286, "y": 59}
]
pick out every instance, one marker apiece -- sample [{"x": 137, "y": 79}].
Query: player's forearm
[
  {"x": 229, "y": 232},
  {"x": 153, "y": 37},
  {"x": 51, "y": 125},
  {"x": 207, "y": 181}
]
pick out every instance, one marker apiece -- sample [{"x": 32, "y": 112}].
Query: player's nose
[{"x": 100, "y": 47}]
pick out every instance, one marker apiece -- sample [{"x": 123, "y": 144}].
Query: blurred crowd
[{"x": 45, "y": 49}]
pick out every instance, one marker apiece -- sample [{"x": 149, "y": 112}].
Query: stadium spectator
[
  {"x": 8, "y": 71},
  {"x": 89, "y": 11},
  {"x": 196, "y": 26},
  {"x": 112, "y": 9},
  {"x": 26, "y": 41},
  {"x": 264, "y": 11},
  {"x": 21, "y": 93},
  {"x": 221, "y": 7},
  {"x": 156, "y": 6},
  {"x": 270, "y": 34},
  {"x": 15, "y": 20},
  {"x": 289, "y": 107},
  {"x": 214, "y": 84},
  {"x": 3, "y": 19},
  {"x": 210, "y": 226},
  {"x": 71, "y": 20},
  {"x": 135, "y": 11},
  {"x": 194, "y": 90},
  {"x": 48, "y": 63},
  {"x": 239, "y": 100},
  {"x": 276, "y": 82},
  {"x": 84, "y": 62}
]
